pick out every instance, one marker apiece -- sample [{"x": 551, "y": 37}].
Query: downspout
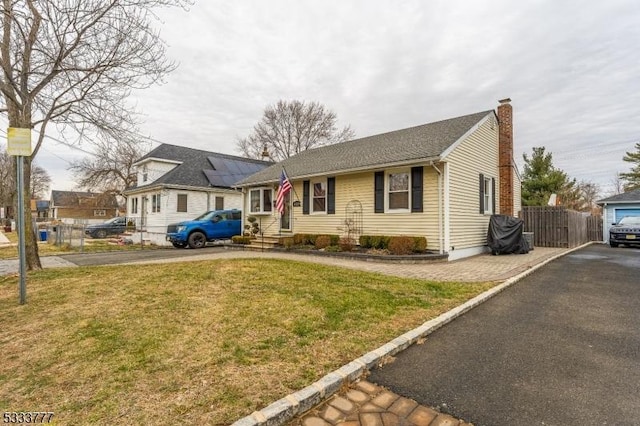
[{"x": 440, "y": 233}]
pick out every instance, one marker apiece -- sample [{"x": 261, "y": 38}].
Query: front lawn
[{"x": 195, "y": 342}]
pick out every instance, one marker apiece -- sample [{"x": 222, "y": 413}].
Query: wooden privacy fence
[{"x": 560, "y": 227}]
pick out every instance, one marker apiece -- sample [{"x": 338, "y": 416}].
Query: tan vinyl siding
[
  {"x": 477, "y": 154},
  {"x": 360, "y": 187},
  {"x": 517, "y": 193}
]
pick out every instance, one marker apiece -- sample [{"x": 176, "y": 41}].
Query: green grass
[{"x": 196, "y": 343}]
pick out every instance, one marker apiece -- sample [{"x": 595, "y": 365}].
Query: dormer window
[{"x": 145, "y": 174}]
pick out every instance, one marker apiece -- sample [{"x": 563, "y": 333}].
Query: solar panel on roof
[{"x": 228, "y": 171}]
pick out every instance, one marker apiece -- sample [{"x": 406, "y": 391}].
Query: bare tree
[
  {"x": 73, "y": 64},
  {"x": 617, "y": 184},
  {"x": 111, "y": 169},
  {"x": 288, "y": 128},
  {"x": 7, "y": 178},
  {"x": 40, "y": 180},
  {"x": 589, "y": 193}
]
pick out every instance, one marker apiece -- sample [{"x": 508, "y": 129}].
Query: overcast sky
[{"x": 571, "y": 68}]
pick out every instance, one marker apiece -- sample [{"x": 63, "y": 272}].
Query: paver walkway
[
  {"x": 481, "y": 268},
  {"x": 366, "y": 404}
]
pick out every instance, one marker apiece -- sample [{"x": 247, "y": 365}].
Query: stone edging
[
  {"x": 389, "y": 258},
  {"x": 303, "y": 400}
]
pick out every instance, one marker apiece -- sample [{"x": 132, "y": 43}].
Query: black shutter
[
  {"x": 481, "y": 193},
  {"x": 331, "y": 195},
  {"x": 493, "y": 195},
  {"x": 378, "y": 183},
  {"x": 305, "y": 197},
  {"x": 416, "y": 189}
]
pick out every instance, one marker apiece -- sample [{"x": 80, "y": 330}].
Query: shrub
[
  {"x": 299, "y": 239},
  {"x": 322, "y": 241},
  {"x": 287, "y": 242},
  {"x": 365, "y": 241},
  {"x": 401, "y": 245},
  {"x": 419, "y": 244},
  {"x": 379, "y": 242},
  {"x": 335, "y": 239},
  {"x": 239, "y": 239},
  {"x": 346, "y": 244}
]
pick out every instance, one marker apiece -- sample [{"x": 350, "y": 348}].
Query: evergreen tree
[
  {"x": 632, "y": 178},
  {"x": 541, "y": 179}
]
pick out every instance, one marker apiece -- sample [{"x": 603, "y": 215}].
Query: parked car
[
  {"x": 627, "y": 231},
  {"x": 114, "y": 226},
  {"x": 210, "y": 226}
]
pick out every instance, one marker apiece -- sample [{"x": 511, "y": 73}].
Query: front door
[{"x": 285, "y": 219}]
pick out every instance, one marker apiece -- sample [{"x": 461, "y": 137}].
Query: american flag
[{"x": 283, "y": 190}]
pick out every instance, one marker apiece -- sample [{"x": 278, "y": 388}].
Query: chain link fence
[{"x": 80, "y": 234}]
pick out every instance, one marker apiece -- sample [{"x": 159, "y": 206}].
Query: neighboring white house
[
  {"x": 177, "y": 183},
  {"x": 616, "y": 207}
]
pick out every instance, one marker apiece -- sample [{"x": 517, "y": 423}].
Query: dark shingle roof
[
  {"x": 415, "y": 143},
  {"x": 627, "y": 197},
  {"x": 72, "y": 199},
  {"x": 200, "y": 168}
]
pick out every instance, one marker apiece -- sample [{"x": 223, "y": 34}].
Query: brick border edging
[{"x": 287, "y": 408}]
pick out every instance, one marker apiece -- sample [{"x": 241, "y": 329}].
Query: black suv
[
  {"x": 627, "y": 231},
  {"x": 114, "y": 226}
]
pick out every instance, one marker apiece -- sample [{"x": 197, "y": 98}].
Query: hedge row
[
  {"x": 310, "y": 239},
  {"x": 240, "y": 239},
  {"x": 399, "y": 245}
]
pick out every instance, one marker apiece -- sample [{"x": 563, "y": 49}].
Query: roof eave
[{"x": 347, "y": 171}]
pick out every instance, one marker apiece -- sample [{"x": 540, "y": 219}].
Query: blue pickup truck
[{"x": 210, "y": 226}]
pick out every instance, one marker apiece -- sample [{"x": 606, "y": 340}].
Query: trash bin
[
  {"x": 43, "y": 235},
  {"x": 529, "y": 237}
]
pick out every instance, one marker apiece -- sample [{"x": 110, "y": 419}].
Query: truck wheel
[
  {"x": 179, "y": 245},
  {"x": 612, "y": 244},
  {"x": 197, "y": 240}
]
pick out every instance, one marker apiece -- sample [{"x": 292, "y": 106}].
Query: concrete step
[{"x": 266, "y": 242}]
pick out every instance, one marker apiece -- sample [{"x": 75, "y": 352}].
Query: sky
[{"x": 571, "y": 69}]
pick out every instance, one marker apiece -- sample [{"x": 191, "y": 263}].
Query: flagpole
[{"x": 292, "y": 186}]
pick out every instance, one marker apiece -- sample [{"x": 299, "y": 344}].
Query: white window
[
  {"x": 155, "y": 203},
  {"x": 99, "y": 212},
  {"x": 319, "y": 197},
  {"x": 145, "y": 173},
  {"x": 260, "y": 200},
  {"x": 487, "y": 196},
  {"x": 398, "y": 191},
  {"x": 134, "y": 205}
]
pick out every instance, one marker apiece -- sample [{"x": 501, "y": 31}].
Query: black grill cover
[{"x": 505, "y": 235}]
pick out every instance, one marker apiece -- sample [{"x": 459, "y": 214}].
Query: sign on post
[{"x": 19, "y": 142}]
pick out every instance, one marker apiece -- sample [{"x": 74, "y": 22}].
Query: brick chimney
[{"x": 505, "y": 156}]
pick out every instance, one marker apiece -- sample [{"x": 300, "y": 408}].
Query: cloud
[{"x": 569, "y": 67}]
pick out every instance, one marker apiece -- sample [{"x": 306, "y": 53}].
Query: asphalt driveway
[{"x": 561, "y": 347}]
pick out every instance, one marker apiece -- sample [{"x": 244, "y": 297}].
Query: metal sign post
[{"x": 19, "y": 145}]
